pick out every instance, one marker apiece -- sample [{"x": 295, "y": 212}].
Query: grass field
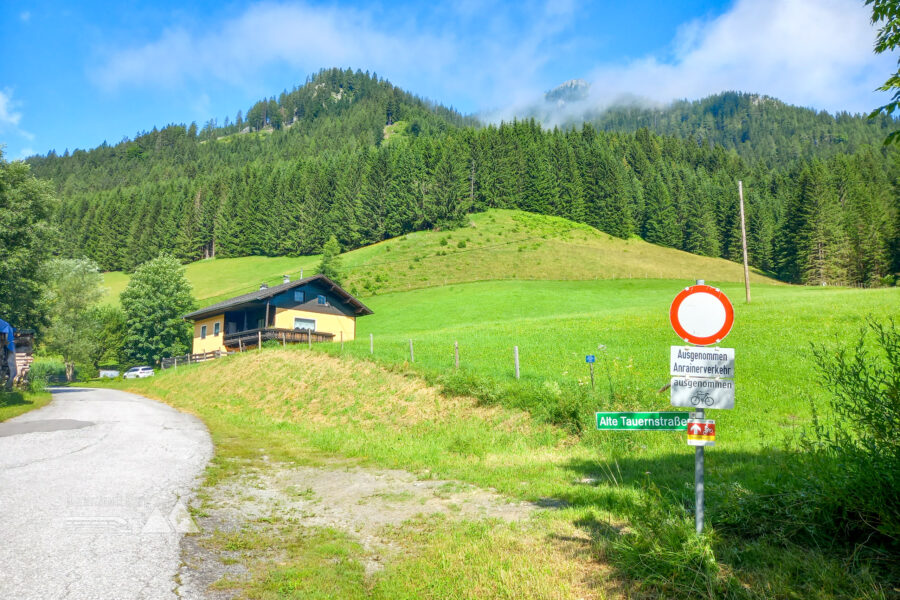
[
  {"x": 13, "y": 404},
  {"x": 496, "y": 245},
  {"x": 620, "y": 499}
]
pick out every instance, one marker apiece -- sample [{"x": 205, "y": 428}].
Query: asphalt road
[{"x": 93, "y": 489}]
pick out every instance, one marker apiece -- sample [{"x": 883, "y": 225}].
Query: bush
[
  {"x": 858, "y": 451},
  {"x": 45, "y": 371}
]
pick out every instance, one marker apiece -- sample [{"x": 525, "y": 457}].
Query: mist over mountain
[{"x": 758, "y": 127}]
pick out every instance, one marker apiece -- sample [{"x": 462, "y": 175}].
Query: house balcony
[{"x": 253, "y": 337}]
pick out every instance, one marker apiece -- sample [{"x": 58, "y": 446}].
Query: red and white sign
[
  {"x": 701, "y": 315},
  {"x": 701, "y": 432}
]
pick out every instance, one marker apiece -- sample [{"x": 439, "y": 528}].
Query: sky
[{"x": 76, "y": 74}]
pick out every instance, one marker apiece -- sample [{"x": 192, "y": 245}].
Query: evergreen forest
[{"x": 349, "y": 155}]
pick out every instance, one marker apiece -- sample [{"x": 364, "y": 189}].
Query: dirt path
[{"x": 359, "y": 502}]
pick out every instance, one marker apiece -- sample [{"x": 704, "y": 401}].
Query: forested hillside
[
  {"x": 350, "y": 155},
  {"x": 761, "y": 129}
]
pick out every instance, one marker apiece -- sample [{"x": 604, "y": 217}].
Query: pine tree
[
  {"x": 331, "y": 260},
  {"x": 660, "y": 226}
]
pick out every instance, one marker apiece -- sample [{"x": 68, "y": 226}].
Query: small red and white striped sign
[{"x": 701, "y": 432}]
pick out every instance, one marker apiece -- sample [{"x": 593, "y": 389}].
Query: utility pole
[{"x": 744, "y": 241}]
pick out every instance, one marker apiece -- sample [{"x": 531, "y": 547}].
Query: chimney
[
  {"x": 263, "y": 286},
  {"x": 285, "y": 279}
]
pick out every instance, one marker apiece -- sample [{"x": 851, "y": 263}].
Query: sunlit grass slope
[
  {"x": 298, "y": 403},
  {"x": 625, "y": 324},
  {"x": 495, "y": 245}
]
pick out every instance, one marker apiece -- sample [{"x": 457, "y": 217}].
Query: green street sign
[{"x": 642, "y": 421}]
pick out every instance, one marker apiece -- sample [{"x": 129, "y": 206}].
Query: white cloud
[
  {"x": 808, "y": 52},
  {"x": 297, "y": 35},
  {"x": 9, "y": 117},
  {"x": 495, "y": 64}
]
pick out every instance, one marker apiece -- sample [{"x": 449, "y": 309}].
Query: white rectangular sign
[
  {"x": 702, "y": 393},
  {"x": 692, "y": 361}
]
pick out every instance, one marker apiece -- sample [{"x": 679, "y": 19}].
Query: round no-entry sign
[{"x": 701, "y": 315}]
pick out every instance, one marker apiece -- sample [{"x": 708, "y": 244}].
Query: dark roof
[{"x": 213, "y": 309}]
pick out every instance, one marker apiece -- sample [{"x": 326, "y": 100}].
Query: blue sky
[{"x": 77, "y": 73}]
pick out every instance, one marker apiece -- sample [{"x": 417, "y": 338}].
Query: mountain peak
[{"x": 573, "y": 90}]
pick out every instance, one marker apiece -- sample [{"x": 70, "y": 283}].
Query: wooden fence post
[
  {"x": 342, "y": 341},
  {"x": 309, "y": 338},
  {"x": 283, "y": 340},
  {"x": 176, "y": 362},
  {"x": 189, "y": 358},
  {"x": 412, "y": 357},
  {"x": 259, "y": 340},
  {"x": 371, "y": 343},
  {"x": 516, "y": 358},
  {"x": 240, "y": 345},
  {"x": 456, "y": 353}
]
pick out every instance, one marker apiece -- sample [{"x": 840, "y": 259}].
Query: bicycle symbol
[{"x": 703, "y": 397}]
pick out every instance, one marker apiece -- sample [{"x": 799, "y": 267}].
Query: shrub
[
  {"x": 45, "y": 371},
  {"x": 461, "y": 244},
  {"x": 858, "y": 450}
]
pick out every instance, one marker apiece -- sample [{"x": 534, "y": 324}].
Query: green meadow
[
  {"x": 614, "y": 516},
  {"x": 494, "y": 245},
  {"x": 625, "y": 498},
  {"x": 625, "y": 325}
]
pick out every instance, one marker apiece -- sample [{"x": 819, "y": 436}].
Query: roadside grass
[
  {"x": 15, "y": 403},
  {"x": 304, "y": 407},
  {"x": 322, "y": 407},
  {"x": 495, "y": 245}
]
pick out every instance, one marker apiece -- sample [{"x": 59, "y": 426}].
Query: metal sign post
[
  {"x": 590, "y": 359},
  {"x": 701, "y": 377},
  {"x": 698, "y": 482}
]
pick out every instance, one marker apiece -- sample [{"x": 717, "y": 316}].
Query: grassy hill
[
  {"x": 617, "y": 519},
  {"x": 495, "y": 245},
  {"x": 619, "y": 497}
]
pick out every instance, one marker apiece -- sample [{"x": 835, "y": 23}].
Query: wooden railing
[
  {"x": 254, "y": 337},
  {"x": 186, "y": 359}
]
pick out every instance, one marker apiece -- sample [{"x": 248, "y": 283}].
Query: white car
[{"x": 138, "y": 372}]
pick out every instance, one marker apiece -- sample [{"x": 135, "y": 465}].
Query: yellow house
[{"x": 313, "y": 309}]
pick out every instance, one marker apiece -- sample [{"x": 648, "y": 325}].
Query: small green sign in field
[{"x": 643, "y": 421}]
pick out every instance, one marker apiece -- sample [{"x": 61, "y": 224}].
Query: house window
[
  {"x": 203, "y": 332},
  {"x": 299, "y": 296},
  {"x": 216, "y": 328},
  {"x": 309, "y": 324},
  {"x": 322, "y": 299}
]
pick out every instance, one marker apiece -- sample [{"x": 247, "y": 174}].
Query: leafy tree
[
  {"x": 74, "y": 287},
  {"x": 26, "y": 239},
  {"x": 888, "y": 13},
  {"x": 107, "y": 336},
  {"x": 331, "y": 261},
  {"x": 157, "y": 297}
]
